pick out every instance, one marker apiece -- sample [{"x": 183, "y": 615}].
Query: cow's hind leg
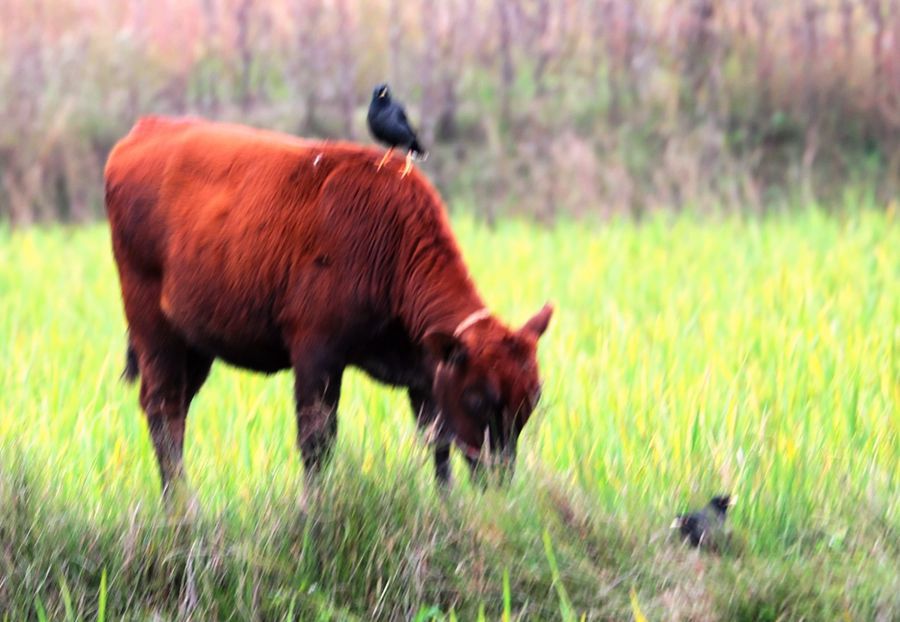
[
  {"x": 170, "y": 378},
  {"x": 164, "y": 400},
  {"x": 427, "y": 418},
  {"x": 171, "y": 373}
]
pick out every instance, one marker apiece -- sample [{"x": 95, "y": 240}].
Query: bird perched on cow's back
[
  {"x": 389, "y": 125},
  {"x": 705, "y": 528}
]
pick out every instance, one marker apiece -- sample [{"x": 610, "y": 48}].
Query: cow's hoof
[{"x": 181, "y": 503}]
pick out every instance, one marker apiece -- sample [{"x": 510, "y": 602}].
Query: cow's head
[{"x": 486, "y": 385}]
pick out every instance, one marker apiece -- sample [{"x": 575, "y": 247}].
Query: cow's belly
[
  {"x": 239, "y": 329},
  {"x": 265, "y": 358}
]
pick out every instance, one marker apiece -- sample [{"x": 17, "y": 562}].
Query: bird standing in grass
[
  {"x": 704, "y": 528},
  {"x": 389, "y": 125}
]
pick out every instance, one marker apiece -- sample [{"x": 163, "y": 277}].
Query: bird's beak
[
  {"x": 732, "y": 501},
  {"x": 676, "y": 524}
]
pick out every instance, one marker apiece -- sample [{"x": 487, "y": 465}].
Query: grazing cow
[{"x": 270, "y": 252}]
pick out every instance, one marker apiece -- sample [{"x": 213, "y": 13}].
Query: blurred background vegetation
[{"x": 539, "y": 107}]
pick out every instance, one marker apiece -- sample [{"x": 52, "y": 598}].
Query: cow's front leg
[
  {"x": 316, "y": 391},
  {"x": 428, "y": 419}
]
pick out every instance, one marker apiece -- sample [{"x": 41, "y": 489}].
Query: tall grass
[{"x": 685, "y": 358}]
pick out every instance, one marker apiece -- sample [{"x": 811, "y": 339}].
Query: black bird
[
  {"x": 703, "y": 528},
  {"x": 389, "y": 125}
]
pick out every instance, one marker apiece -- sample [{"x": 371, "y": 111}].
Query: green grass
[{"x": 685, "y": 358}]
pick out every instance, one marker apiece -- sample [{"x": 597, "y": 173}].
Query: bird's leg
[
  {"x": 386, "y": 157},
  {"x": 408, "y": 166}
]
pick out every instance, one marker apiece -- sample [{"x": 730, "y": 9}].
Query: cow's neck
[{"x": 438, "y": 295}]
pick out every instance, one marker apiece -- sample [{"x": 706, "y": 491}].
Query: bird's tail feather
[{"x": 419, "y": 153}]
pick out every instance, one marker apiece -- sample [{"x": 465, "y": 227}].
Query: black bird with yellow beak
[{"x": 389, "y": 125}]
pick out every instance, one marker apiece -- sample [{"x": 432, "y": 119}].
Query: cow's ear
[
  {"x": 538, "y": 324},
  {"x": 445, "y": 348}
]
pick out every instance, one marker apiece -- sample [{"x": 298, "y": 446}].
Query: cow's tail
[{"x": 131, "y": 363}]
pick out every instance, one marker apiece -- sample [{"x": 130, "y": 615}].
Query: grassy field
[{"x": 685, "y": 358}]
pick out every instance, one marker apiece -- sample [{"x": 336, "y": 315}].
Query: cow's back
[{"x": 176, "y": 184}]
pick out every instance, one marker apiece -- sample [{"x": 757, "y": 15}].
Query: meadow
[{"x": 686, "y": 357}]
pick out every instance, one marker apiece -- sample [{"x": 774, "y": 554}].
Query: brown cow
[{"x": 270, "y": 252}]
